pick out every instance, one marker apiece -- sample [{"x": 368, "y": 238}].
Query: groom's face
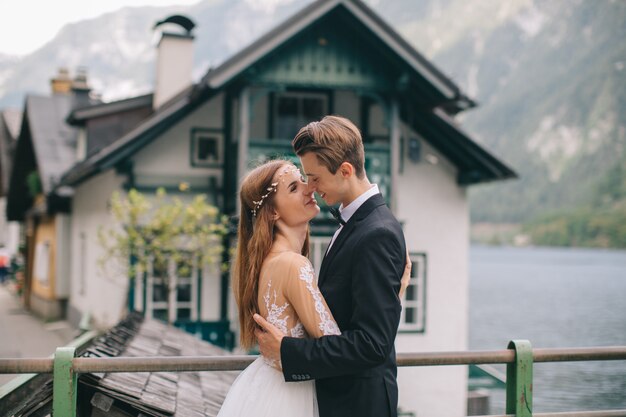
[{"x": 326, "y": 184}]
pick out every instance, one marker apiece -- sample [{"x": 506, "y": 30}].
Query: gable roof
[
  {"x": 47, "y": 145},
  {"x": 54, "y": 142},
  {"x": 474, "y": 163},
  {"x": 231, "y": 68},
  {"x": 10, "y": 120},
  {"x": 450, "y": 99}
]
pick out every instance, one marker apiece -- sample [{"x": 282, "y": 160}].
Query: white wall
[
  {"x": 169, "y": 155},
  {"x": 103, "y": 290},
  {"x": 100, "y": 292},
  {"x": 434, "y": 210},
  {"x": 210, "y": 296},
  {"x": 166, "y": 161}
]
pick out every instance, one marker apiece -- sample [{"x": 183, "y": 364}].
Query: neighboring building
[
  {"x": 333, "y": 57},
  {"x": 45, "y": 148},
  {"x": 10, "y": 121}
]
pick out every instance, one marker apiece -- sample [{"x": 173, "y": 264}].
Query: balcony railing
[{"x": 519, "y": 358}]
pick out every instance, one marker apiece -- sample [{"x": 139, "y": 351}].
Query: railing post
[
  {"x": 519, "y": 380},
  {"x": 64, "y": 383}
]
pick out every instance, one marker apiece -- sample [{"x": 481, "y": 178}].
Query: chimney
[
  {"x": 80, "y": 89},
  {"x": 174, "y": 58},
  {"x": 62, "y": 83}
]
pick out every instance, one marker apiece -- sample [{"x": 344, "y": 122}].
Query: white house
[{"x": 333, "y": 57}]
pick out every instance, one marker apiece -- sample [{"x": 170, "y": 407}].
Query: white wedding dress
[{"x": 290, "y": 300}]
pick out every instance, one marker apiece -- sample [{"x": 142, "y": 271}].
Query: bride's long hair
[{"x": 255, "y": 237}]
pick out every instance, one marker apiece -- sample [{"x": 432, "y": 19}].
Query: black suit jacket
[{"x": 355, "y": 372}]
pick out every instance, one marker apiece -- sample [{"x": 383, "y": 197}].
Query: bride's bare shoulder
[
  {"x": 284, "y": 268},
  {"x": 291, "y": 258}
]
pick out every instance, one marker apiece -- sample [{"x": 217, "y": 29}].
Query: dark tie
[{"x": 337, "y": 215}]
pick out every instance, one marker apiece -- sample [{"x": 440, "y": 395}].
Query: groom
[{"x": 355, "y": 372}]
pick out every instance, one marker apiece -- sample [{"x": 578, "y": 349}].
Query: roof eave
[{"x": 125, "y": 146}]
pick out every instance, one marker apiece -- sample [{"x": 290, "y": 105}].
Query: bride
[{"x": 273, "y": 277}]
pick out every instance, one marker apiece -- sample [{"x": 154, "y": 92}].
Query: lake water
[{"x": 554, "y": 298}]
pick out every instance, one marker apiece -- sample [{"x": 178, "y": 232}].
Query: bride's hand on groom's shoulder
[
  {"x": 269, "y": 339},
  {"x": 406, "y": 276}
]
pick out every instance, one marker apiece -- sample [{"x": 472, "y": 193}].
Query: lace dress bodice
[{"x": 290, "y": 300}]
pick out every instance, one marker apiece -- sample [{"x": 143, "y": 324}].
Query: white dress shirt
[{"x": 350, "y": 209}]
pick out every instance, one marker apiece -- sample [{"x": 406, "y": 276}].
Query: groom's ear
[{"x": 346, "y": 169}]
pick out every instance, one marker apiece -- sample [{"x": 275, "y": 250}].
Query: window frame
[
  {"x": 419, "y": 260},
  {"x": 325, "y": 95},
  {"x": 198, "y": 133}
]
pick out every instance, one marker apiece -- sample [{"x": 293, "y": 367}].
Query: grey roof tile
[
  {"x": 184, "y": 394},
  {"x": 53, "y": 139},
  {"x": 13, "y": 121}
]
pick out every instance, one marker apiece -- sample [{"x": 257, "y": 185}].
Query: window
[
  {"x": 41, "y": 270},
  {"x": 293, "y": 110},
  {"x": 207, "y": 147},
  {"x": 414, "y": 302},
  {"x": 317, "y": 249},
  {"x": 172, "y": 290}
]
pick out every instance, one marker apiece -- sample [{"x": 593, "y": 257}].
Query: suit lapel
[{"x": 362, "y": 212}]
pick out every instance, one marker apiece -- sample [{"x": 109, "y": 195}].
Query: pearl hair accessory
[{"x": 273, "y": 187}]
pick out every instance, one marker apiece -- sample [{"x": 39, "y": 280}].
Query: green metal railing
[{"x": 519, "y": 358}]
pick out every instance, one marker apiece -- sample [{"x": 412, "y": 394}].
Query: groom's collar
[{"x": 350, "y": 209}]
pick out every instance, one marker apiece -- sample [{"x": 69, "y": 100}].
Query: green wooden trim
[
  {"x": 331, "y": 101},
  {"x": 333, "y": 52},
  {"x": 213, "y": 190},
  {"x": 127, "y": 167},
  {"x": 229, "y": 197},
  {"x": 364, "y": 110},
  {"x": 33, "y": 183},
  {"x": 225, "y": 281},
  {"x": 271, "y": 99},
  {"x": 229, "y": 186},
  {"x": 519, "y": 380},
  {"x": 64, "y": 384},
  {"x": 199, "y": 271},
  {"x": 131, "y": 291}
]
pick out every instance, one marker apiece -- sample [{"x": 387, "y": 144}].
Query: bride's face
[{"x": 294, "y": 202}]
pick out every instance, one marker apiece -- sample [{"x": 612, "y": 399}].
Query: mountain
[
  {"x": 549, "y": 76},
  {"x": 551, "y": 83},
  {"x": 118, "y": 49}
]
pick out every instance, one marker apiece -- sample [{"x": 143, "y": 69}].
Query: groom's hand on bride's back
[{"x": 269, "y": 338}]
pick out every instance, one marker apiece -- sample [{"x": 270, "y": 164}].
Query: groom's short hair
[{"x": 334, "y": 140}]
